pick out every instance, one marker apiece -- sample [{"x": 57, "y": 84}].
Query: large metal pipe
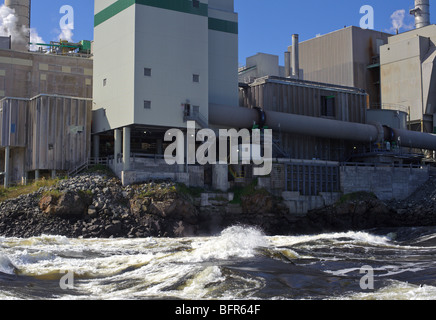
[
  {"x": 22, "y": 12},
  {"x": 239, "y": 117},
  {"x": 421, "y": 13}
]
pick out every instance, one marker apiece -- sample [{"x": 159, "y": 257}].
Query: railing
[
  {"x": 194, "y": 115},
  {"x": 87, "y": 164}
]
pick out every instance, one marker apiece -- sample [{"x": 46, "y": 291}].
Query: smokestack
[
  {"x": 22, "y": 12},
  {"x": 295, "y": 57},
  {"x": 421, "y": 13},
  {"x": 287, "y": 64}
]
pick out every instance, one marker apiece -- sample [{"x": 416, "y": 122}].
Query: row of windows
[
  {"x": 147, "y": 73},
  {"x": 195, "y": 77}
]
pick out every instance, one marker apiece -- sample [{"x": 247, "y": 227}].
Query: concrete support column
[
  {"x": 96, "y": 146},
  {"x": 220, "y": 179},
  {"x": 117, "y": 144},
  {"x": 159, "y": 146},
  {"x": 7, "y": 156},
  {"x": 126, "y": 148},
  {"x": 37, "y": 175},
  {"x": 53, "y": 174}
]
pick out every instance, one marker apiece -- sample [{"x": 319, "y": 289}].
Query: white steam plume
[
  {"x": 398, "y": 21},
  {"x": 9, "y": 27}
]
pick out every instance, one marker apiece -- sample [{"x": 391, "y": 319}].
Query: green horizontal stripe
[
  {"x": 184, "y": 6},
  {"x": 111, "y": 11},
  {"x": 223, "y": 25}
]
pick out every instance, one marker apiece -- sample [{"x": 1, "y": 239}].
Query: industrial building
[
  {"x": 408, "y": 74},
  {"x": 45, "y": 105},
  {"x": 178, "y": 62},
  {"x": 178, "y": 57},
  {"x": 347, "y": 57}
]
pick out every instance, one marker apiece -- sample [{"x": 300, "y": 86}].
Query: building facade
[{"x": 158, "y": 64}]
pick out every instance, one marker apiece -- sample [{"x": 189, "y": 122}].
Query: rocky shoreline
[{"x": 95, "y": 205}]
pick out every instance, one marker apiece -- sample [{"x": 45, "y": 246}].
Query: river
[{"x": 241, "y": 263}]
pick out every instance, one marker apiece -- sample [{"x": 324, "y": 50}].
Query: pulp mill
[{"x": 351, "y": 110}]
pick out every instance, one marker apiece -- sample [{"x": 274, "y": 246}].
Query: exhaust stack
[
  {"x": 295, "y": 57},
  {"x": 421, "y": 13},
  {"x": 22, "y": 12}
]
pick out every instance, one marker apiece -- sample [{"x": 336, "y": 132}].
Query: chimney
[
  {"x": 287, "y": 64},
  {"x": 295, "y": 57},
  {"x": 421, "y": 13},
  {"x": 22, "y": 12}
]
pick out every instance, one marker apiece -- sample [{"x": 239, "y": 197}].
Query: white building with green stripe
[{"x": 157, "y": 62}]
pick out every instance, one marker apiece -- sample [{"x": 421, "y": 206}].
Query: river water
[{"x": 240, "y": 263}]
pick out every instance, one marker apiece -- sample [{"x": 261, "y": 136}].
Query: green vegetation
[
  {"x": 239, "y": 192},
  {"x": 356, "y": 196},
  {"x": 16, "y": 191},
  {"x": 193, "y": 192}
]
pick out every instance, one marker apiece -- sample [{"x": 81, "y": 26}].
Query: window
[
  {"x": 104, "y": 82},
  {"x": 147, "y": 104},
  {"x": 196, "y": 78},
  {"x": 328, "y": 106},
  {"x": 196, "y": 3},
  {"x": 147, "y": 72}
]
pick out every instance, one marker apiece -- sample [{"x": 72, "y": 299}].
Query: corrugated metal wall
[
  {"x": 306, "y": 98},
  {"x": 13, "y": 121},
  {"x": 59, "y": 132}
]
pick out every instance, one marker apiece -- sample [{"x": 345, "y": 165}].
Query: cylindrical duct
[
  {"x": 239, "y": 117},
  {"x": 421, "y": 13},
  {"x": 295, "y": 57},
  {"x": 21, "y": 40}
]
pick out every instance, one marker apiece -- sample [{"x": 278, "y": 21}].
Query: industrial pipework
[
  {"x": 22, "y": 12},
  {"x": 319, "y": 127},
  {"x": 421, "y": 13}
]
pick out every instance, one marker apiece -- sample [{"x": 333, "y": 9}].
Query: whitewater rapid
[{"x": 239, "y": 263}]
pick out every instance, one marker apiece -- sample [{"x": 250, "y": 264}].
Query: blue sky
[{"x": 264, "y": 25}]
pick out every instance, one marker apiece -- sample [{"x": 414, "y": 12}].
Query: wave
[
  {"x": 6, "y": 266},
  {"x": 233, "y": 242},
  {"x": 357, "y": 237}
]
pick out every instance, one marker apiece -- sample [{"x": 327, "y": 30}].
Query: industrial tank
[{"x": 392, "y": 118}]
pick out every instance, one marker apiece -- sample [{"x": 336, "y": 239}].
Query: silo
[{"x": 22, "y": 12}]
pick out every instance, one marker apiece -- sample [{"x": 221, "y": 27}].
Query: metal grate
[{"x": 311, "y": 179}]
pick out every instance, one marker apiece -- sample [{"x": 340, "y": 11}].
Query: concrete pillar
[
  {"x": 7, "y": 156},
  {"x": 159, "y": 146},
  {"x": 96, "y": 146},
  {"x": 37, "y": 175},
  {"x": 117, "y": 144},
  {"x": 220, "y": 179},
  {"x": 53, "y": 174},
  {"x": 126, "y": 148}
]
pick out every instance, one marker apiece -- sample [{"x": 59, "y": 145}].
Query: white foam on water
[
  {"x": 234, "y": 242},
  {"x": 6, "y": 265},
  {"x": 397, "y": 290},
  {"x": 351, "y": 237}
]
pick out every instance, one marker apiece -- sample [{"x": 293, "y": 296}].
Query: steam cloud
[
  {"x": 398, "y": 21},
  {"x": 9, "y": 27}
]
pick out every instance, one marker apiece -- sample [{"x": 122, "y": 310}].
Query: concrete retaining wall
[{"x": 385, "y": 182}]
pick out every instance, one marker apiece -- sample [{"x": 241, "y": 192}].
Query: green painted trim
[
  {"x": 112, "y": 10},
  {"x": 175, "y": 5},
  {"x": 223, "y": 25}
]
